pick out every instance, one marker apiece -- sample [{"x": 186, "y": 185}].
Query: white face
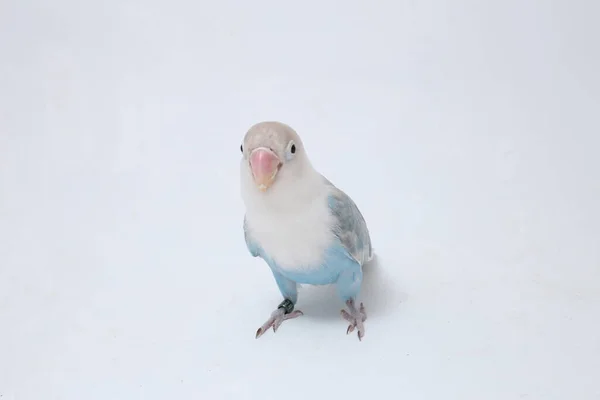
[{"x": 272, "y": 151}]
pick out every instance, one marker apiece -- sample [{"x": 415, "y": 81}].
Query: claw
[
  {"x": 356, "y": 318},
  {"x": 276, "y": 319}
]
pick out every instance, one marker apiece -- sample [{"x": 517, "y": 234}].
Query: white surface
[{"x": 467, "y": 132}]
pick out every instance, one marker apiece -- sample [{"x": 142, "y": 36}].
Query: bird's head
[{"x": 272, "y": 152}]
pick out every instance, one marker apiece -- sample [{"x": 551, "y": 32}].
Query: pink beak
[{"x": 265, "y": 165}]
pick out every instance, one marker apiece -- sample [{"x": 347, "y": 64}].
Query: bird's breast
[{"x": 293, "y": 243}]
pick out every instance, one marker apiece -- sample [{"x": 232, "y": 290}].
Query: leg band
[{"x": 287, "y": 306}]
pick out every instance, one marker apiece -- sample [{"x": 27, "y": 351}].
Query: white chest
[{"x": 295, "y": 241}]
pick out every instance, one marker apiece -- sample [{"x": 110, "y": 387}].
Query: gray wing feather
[{"x": 350, "y": 226}]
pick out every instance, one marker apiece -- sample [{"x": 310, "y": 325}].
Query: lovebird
[{"x": 305, "y": 229}]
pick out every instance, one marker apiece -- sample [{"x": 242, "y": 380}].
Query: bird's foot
[
  {"x": 356, "y": 318},
  {"x": 283, "y": 312}
]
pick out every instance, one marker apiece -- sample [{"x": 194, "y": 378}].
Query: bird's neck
[{"x": 288, "y": 195}]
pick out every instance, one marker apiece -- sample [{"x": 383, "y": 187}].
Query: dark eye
[
  {"x": 242, "y": 148},
  {"x": 290, "y": 149}
]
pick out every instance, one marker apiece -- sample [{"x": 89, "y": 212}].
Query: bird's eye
[
  {"x": 291, "y": 150},
  {"x": 242, "y": 148}
]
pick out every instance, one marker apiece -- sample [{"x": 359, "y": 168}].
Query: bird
[{"x": 307, "y": 230}]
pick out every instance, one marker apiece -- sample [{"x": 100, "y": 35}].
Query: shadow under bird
[{"x": 306, "y": 229}]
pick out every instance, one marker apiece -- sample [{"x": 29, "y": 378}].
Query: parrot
[{"x": 307, "y": 230}]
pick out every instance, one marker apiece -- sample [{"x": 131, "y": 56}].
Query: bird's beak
[{"x": 264, "y": 164}]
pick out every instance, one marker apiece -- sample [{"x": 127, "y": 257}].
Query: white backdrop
[{"x": 467, "y": 132}]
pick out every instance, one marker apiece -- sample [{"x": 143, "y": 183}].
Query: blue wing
[{"x": 350, "y": 227}]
